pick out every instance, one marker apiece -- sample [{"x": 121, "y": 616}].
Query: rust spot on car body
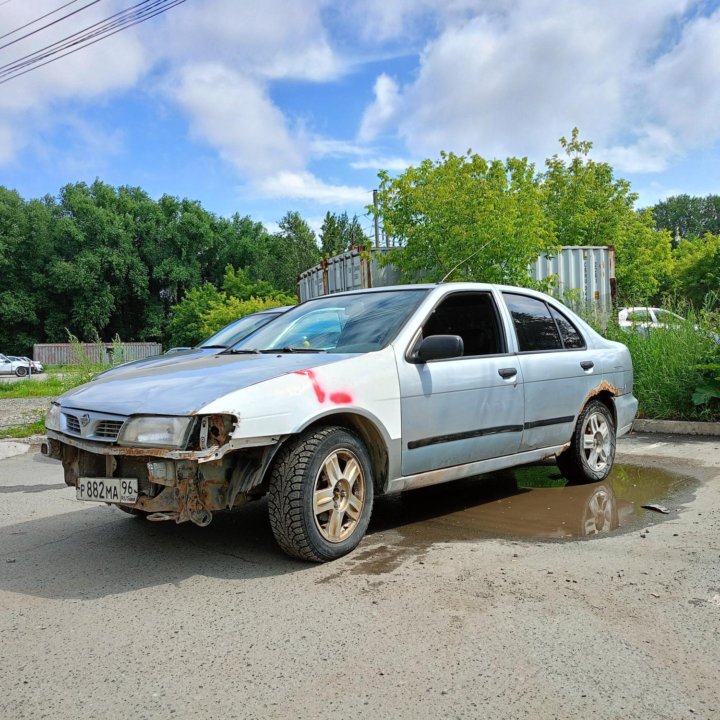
[{"x": 604, "y": 386}]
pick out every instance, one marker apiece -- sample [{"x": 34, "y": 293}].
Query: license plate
[{"x": 109, "y": 490}]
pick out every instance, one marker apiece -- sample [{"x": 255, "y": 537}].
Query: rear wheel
[
  {"x": 591, "y": 453},
  {"x": 321, "y": 494}
]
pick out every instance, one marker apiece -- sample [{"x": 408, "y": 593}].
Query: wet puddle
[{"x": 528, "y": 502}]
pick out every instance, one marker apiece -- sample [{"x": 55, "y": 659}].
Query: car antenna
[{"x": 469, "y": 257}]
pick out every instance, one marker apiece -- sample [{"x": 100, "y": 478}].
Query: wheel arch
[
  {"x": 369, "y": 430},
  {"x": 607, "y": 398}
]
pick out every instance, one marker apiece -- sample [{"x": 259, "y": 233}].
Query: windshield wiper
[
  {"x": 291, "y": 350},
  {"x": 242, "y": 351},
  {"x": 213, "y": 347}
]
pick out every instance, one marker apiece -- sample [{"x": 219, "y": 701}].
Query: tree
[
  {"x": 589, "y": 206},
  {"x": 222, "y": 312},
  {"x": 688, "y": 216},
  {"x": 186, "y": 325},
  {"x": 465, "y": 218},
  {"x": 697, "y": 270},
  {"x": 332, "y": 241},
  {"x": 284, "y": 255},
  {"x": 338, "y": 234}
]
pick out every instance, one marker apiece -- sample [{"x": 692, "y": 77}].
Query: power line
[
  {"x": 50, "y": 24},
  {"x": 83, "y": 38},
  {"x": 103, "y": 25},
  {"x": 32, "y": 22}
]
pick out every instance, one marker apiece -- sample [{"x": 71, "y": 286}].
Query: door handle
[
  {"x": 507, "y": 372},
  {"x": 587, "y": 365}
]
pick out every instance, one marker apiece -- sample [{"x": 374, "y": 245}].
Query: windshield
[
  {"x": 357, "y": 323},
  {"x": 239, "y": 330}
]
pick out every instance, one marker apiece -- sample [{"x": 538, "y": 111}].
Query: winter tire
[
  {"x": 591, "y": 453},
  {"x": 321, "y": 494}
]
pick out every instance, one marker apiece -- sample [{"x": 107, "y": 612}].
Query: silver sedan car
[{"x": 347, "y": 397}]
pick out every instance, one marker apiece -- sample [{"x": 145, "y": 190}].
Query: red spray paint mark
[
  {"x": 339, "y": 398},
  {"x": 319, "y": 392}
]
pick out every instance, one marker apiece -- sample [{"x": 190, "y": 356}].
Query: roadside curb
[{"x": 677, "y": 427}]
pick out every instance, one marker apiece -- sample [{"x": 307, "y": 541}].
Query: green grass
[
  {"x": 55, "y": 369},
  {"x": 665, "y": 364},
  {"x": 53, "y": 386},
  {"x": 23, "y": 431}
]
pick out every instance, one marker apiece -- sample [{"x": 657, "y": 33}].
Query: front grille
[
  {"x": 107, "y": 429},
  {"x": 92, "y": 425},
  {"x": 73, "y": 424}
]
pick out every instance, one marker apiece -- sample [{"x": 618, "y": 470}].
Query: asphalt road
[{"x": 104, "y": 616}]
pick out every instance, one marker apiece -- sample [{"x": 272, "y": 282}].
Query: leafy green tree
[
  {"x": 338, "y": 234},
  {"x": 465, "y": 218},
  {"x": 25, "y": 245},
  {"x": 697, "y": 270},
  {"x": 238, "y": 284},
  {"x": 688, "y": 216},
  {"x": 332, "y": 241},
  {"x": 187, "y": 322},
  {"x": 589, "y": 206},
  {"x": 283, "y": 256},
  {"x": 222, "y": 312}
]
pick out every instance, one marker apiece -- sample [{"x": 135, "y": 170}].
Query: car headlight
[
  {"x": 156, "y": 431},
  {"x": 52, "y": 418}
]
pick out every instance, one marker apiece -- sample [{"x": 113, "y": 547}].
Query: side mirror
[{"x": 439, "y": 347}]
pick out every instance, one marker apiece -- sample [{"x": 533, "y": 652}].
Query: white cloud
[
  {"x": 234, "y": 114},
  {"x": 306, "y": 186},
  {"x": 684, "y": 85},
  {"x": 326, "y": 147},
  {"x": 651, "y": 152},
  {"x": 9, "y": 144},
  {"x": 273, "y": 39},
  {"x": 383, "y": 163},
  {"x": 115, "y": 63},
  {"x": 383, "y": 110},
  {"x": 512, "y": 77}
]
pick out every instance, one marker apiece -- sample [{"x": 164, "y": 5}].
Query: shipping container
[{"x": 584, "y": 276}]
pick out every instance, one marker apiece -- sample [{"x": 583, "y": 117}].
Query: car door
[
  {"x": 559, "y": 370},
  {"x": 5, "y": 365},
  {"x": 467, "y": 408}
]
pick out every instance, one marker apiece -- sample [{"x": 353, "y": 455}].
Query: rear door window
[
  {"x": 535, "y": 327},
  {"x": 571, "y": 337}
]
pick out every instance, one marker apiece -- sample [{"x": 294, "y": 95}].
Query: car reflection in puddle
[{"x": 532, "y": 502}]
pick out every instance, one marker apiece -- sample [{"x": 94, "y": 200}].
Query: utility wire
[
  {"x": 50, "y": 24},
  {"x": 108, "y": 27},
  {"x": 32, "y": 22},
  {"x": 124, "y": 16}
]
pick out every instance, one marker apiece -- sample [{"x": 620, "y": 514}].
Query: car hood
[
  {"x": 184, "y": 387},
  {"x": 159, "y": 361}
]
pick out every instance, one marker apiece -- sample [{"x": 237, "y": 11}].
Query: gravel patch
[{"x": 22, "y": 411}]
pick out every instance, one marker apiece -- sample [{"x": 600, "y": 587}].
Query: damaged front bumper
[{"x": 179, "y": 485}]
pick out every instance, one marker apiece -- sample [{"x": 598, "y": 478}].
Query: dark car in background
[{"x": 223, "y": 339}]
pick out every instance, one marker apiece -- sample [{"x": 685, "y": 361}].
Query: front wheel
[
  {"x": 591, "y": 453},
  {"x": 21, "y": 371},
  {"x": 321, "y": 494}
]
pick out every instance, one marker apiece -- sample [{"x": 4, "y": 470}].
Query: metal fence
[{"x": 67, "y": 354}]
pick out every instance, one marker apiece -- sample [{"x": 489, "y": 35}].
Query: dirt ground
[{"x": 437, "y": 614}]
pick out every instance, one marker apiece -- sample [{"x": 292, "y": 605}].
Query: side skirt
[{"x": 457, "y": 472}]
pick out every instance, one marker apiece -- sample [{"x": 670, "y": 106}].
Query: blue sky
[{"x": 261, "y": 108}]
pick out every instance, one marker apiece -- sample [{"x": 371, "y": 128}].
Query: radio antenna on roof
[{"x": 469, "y": 257}]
